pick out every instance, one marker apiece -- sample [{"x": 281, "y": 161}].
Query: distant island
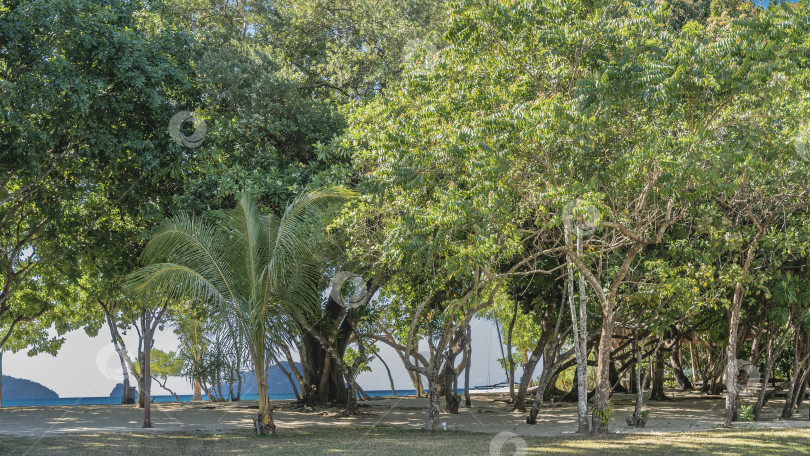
[
  {"x": 277, "y": 382},
  {"x": 118, "y": 391},
  {"x": 15, "y": 389}
]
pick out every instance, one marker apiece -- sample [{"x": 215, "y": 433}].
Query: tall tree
[
  {"x": 257, "y": 268},
  {"x": 87, "y": 88}
]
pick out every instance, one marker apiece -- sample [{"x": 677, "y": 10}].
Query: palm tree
[{"x": 260, "y": 269}]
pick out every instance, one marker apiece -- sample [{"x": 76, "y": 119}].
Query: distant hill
[
  {"x": 118, "y": 391},
  {"x": 15, "y": 389},
  {"x": 277, "y": 382}
]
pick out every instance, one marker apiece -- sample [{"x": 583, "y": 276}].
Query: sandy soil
[{"x": 489, "y": 414}]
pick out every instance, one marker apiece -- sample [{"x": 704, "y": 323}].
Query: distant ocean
[{"x": 183, "y": 398}]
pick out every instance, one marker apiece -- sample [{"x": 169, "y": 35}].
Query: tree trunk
[
  {"x": 500, "y": 343},
  {"x": 359, "y": 392},
  {"x": 420, "y": 384},
  {"x": 676, "y": 363},
  {"x": 510, "y": 359},
  {"x": 802, "y": 393},
  {"x": 615, "y": 380},
  {"x": 580, "y": 323},
  {"x": 264, "y": 421},
  {"x": 636, "y": 420},
  {"x": 197, "y": 391},
  {"x": 238, "y": 369},
  {"x": 320, "y": 371},
  {"x": 468, "y": 354},
  {"x": 733, "y": 328},
  {"x": 528, "y": 372},
  {"x": 602, "y": 399},
  {"x": 1, "y": 378},
  {"x": 390, "y": 378},
  {"x": 547, "y": 378},
  {"x": 451, "y": 399},
  {"x": 351, "y": 400},
  {"x": 692, "y": 355},
  {"x": 794, "y": 391},
  {"x": 141, "y": 386},
  {"x": 147, "y": 369},
  {"x": 657, "y": 393},
  {"x": 765, "y": 377},
  {"x": 432, "y": 422},
  {"x": 290, "y": 379},
  {"x": 126, "y": 396}
]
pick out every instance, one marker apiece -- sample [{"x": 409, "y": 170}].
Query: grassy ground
[{"x": 390, "y": 441}]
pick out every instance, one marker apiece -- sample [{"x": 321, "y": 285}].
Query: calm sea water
[{"x": 183, "y": 398}]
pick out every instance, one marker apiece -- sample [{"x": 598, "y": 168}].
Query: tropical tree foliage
[{"x": 258, "y": 269}]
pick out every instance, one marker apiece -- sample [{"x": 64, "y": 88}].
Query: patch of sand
[{"x": 489, "y": 414}]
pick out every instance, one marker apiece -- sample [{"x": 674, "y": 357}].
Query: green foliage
[
  {"x": 747, "y": 413},
  {"x": 604, "y": 415},
  {"x": 352, "y": 48},
  {"x": 257, "y": 270},
  {"x": 86, "y": 87},
  {"x": 165, "y": 364}
]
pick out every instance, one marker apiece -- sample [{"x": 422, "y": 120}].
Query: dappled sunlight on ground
[{"x": 489, "y": 414}]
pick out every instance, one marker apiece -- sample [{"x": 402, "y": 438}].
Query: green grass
[{"x": 390, "y": 441}]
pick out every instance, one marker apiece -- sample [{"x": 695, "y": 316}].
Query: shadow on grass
[{"x": 395, "y": 441}]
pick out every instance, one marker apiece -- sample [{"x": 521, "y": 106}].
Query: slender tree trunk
[
  {"x": 141, "y": 386},
  {"x": 351, "y": 401},
  {"x": 420, "y": 385},
  {"x": 390, "y": 378},
  {"x": 798, "y": 378},
  {"x": 126, "y": 396},
  {"x": 580, "y": 343},
  {"x": 163, "y": 385},
  {"x": 692, "y": 355},
  {"x": 468, "y": 354},
  {"x": 676, "y": 362},
  {"x": 147, "y": 369},
  {"x": 602, "y": 397},
  {"x": 503, "y": 354},
  {"x": 290, "y": 379},
  {"x": 265, "y": 423},
  {"x": 509, "y": 356},
  {"x": 451, "y": 399},
  {"x": 765, "y": 377},
  {"x": 539, "y": 394},
  {"x": 238, "y": 386},
  {"x": 238, "y": 369},
  {"x": 528, "y": 372},
  {"x": 1, "y": 378},
  {"x": 733, "y": 329},
  {"x": 802, "y": 392},
  {"x": 294, "y": 371},
  {"x": 639, "y": 381},
  {"x": 360, "y": 393},
  {"x": 657, "y": 393}
]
